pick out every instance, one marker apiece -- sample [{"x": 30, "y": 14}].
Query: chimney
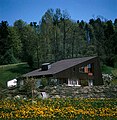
[{"x": 45, "y": 66}]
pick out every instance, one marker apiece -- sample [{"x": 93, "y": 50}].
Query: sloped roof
[{"x": 58, "y": 66}]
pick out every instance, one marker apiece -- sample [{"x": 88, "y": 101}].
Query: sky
[{"x": 33, "y": 10}]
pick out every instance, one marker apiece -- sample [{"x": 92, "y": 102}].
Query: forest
[{"x": 56, "y": 36}]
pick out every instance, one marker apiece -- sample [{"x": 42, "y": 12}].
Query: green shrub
[{"x": 44, "y": 81}]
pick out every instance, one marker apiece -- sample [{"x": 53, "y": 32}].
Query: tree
[
  {"x": 29, "y": 86},
  {"x": 115, "y": 24},
  {"x": 57, "y": 37},
  {"x": 80, "y": 43},
  {"x": 56, "y": 21},
  {"x": 19, "y": 27},
  {"x": 98, "y": 36},
  {"x": 65, "y": 28},
  {"x": 6, "y": 50},
  {"x": 4, "y": 46},
  {"x": 19, "y": 24},
  {"x": 109, "y": 32},
  {"x": 29, "y": 39},
  {"x": 46, "y": 35},
  {"x": 8, "y": 57},
  {"x": 16, "y": 44},
  {"x": 36, "y": 44}
]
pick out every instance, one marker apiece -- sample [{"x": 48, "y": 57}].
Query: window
[
  {"x": 87, "y": 69},
  {"x": 73, "y": 69},
  {"x": 81, "y": 69},
  {"x": 73, "y": 82}
]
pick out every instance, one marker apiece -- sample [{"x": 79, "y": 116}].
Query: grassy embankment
[{"x": 11, "y": 71}]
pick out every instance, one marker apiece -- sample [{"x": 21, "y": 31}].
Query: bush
[
  {"x": 44, "y": 81},
  {"x": 107, "y": 78}
]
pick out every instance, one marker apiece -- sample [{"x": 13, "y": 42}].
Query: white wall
[{"x": 12, "y": 83}]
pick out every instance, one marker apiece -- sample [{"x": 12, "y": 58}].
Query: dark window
[
  {"x": 73, "y": 69},
  {"x": 81, "y": 69}
]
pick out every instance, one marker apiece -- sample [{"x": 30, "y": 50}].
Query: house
[{"x": 74, "y": 72}]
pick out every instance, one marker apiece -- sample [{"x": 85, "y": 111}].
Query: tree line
[{"x": 58, "y": 37}]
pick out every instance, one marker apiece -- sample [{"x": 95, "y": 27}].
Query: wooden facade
[{"x": 74, "y": 72}]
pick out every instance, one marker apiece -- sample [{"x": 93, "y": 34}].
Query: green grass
[
  {"x": 114, "y": 73},
  {"x": 107, "y": 69},
  {"x": 8, "y": 72}
]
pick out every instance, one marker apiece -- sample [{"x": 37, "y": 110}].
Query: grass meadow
[{"x": 9, "y": 72}]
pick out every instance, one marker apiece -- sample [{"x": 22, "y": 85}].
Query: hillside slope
[{"x": 8, "y": 72}]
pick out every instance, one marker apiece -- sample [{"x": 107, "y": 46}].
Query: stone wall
[{"x": 82, "y": 92}]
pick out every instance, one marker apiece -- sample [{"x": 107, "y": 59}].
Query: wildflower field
[{"x": 59, "y": 109}]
